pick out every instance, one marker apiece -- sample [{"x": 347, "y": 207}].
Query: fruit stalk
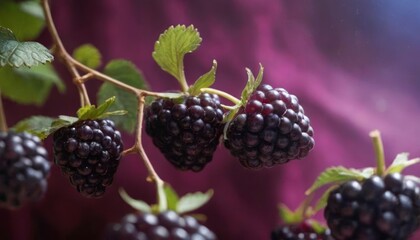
[
  {"x": 379, "y": 152},
  {"x": 3, "y": 123}
]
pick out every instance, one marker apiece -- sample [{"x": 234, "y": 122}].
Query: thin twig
[{"x": 3, "y": 122}]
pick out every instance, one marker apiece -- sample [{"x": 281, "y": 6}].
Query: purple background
[{"x": 353, "y": 64}]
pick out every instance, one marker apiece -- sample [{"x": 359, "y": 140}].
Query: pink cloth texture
[{"x": 353, "y": 65}]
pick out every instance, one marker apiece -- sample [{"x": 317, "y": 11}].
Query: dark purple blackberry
[
  {"x": 302, "y": 231},
  {"x": 24, "y": 169},
  {"x": 165, "y": 225},
  {"x": 271, "y": 129},
  {"x": 186, "y": 131},
  {"x": 377, "y": 208},
  {"x": 88, "y": 152}
]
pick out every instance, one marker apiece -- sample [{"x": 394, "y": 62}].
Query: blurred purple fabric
[{"x": 353, "y": 65}]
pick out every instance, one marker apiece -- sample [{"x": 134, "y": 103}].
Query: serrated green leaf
[
  {"x": 401, "y": 162},
  {"x": 17, "y": 54},
  {"x": 134, "y": 203},
  {"x": 25, "y": 19},
  {"x": 204, "y": 81},
  {"x": 93, "y": 112},
  {"x": 29, "y": 85},
  {"x": 127, "y": 73},
  {"x": 172, "y": 46},
  {"x": 192, "y": 201},
  {"x": 171, "y": 197},
  {"x": 336, "y": 175},
  {"x": 88, "y": 55},
  {"x": 36, "y": 125}
]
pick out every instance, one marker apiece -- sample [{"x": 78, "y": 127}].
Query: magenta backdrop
[{"x": 353, "y": 64}]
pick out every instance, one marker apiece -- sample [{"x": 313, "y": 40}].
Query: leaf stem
[
  {"x": 379, "y": 152},
  {"x": 3, "y": 122},
  {"x": 221, "y": 94},
  {"x": 182, "y": 80}
]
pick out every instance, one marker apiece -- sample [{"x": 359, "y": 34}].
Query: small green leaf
[
  {"x": 251, "y": 84},
  {"x": 192, "y": 201},
  {"x": 400, "y": 162},
  {"x": 336, "y": 175},
  {"x": 127, "y": 73},
  {"x": 172, "y": 46},
  {"x": 36, "y": 125},
  {"x": 171, "y": 197},
  {"x": 88, "y": 55},
  {"x": 204, "y": 81},
  {"x": 17, "y": 54},
  {"x": 288, "y": 216},
  {"x": 92, "y": 112},
  {"x": 134, "y": 203},
  {"x": 24, "y": 18},
  {"x": 29, "y": 85}
]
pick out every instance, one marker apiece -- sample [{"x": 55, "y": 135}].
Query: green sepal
[
  {"x": 336, "y": 175},
  {"x": 322, "y": 201},
  {"x": 172, "y": 197},
  {"x": 134, "y": 203},
  {"x": 171, "y": 47},
  {"x": 93, "y": 112},
  {"x": 16, "y": 54},
  {"x": 401, "y": 162},
  {"x": 205, "y": 81},
  {"x": 193, "y": 201},
  {"x": 88, "y": 55},
  {"x": 289, "y": 216},
  {"x": 318, "y": 227}
]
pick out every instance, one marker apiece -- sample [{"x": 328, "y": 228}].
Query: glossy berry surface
[
  {"x": 378, "y": 208},
  {"x": 24, "y": 169},
  {"x": 186, "y": 131},
  {"x": 88, "y": 152},
  {"x": 165, "y": 225},
  {"x": 271, "y": 129},
  {"x": 302, "y": 231}
]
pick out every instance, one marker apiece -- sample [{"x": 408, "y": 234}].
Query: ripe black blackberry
[
  {"x": 301, "y": 231},
  {"x": 271, "y": 129},
  {"x": 377, "y": 208},
  {"x": 186, "y": 131},
  {"x": 24, "y": 169},
  {"x": 88, "y": 152},
  {"x": 165, "y": 225}
]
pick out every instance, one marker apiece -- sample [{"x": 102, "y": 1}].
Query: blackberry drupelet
[
  {"x": 301, "y": 231},
  {"x": 271, "y": 129},
  {"x": 165, "y": 225},
  {"x": 377, "y": 208},
  {"x": 88, "y": 152},
  {"x": 24, "y": 169},
  {"x": 186, "y": 131}
]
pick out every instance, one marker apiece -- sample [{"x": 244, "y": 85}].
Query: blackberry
[
  {"x": 377, "y": 208},
  {"x": 300, "y": 231},
  {"x": 165, "y": 225},
  {"x": 271, "y": 129},
  {"x": 24, "y": 169},
  {"x": 88, "y": 152},
  {"x": 187, "y": 130}
]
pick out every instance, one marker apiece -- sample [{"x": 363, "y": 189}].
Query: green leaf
[
  {"x": 192, "y": 201},
  {"x": 204, "y": 81},
  {"x": 400, "y": 162},
  {"x": 127, "y": 73},
  {"x": 88, "y": 55},
  {"x": 171, "y": 197},
  {"x": 172, "y": 46},
  {"x": 251, "y": 84},
  {"x": 93, "y": 112},
  {"x": 17, "y": 54},
  {"x": 25, "y": 19},
  {"x": 134, "y": 203},
  {"x": 29, "y": 85},
  {"x": 36, "y": 125},
  {"x": 335, "y": 175}
]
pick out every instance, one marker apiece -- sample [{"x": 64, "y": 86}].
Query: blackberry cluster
[
  {"x": 165, "y": 225},
  {"x": 88, "y": 152},
  {"x": 378, "y": 208},
  {"x": 302, "y": 231},
  {"x": 186, "y": 131},
  {"x": 24, "y": 169},
  {"x": 271, "y": 129}
]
